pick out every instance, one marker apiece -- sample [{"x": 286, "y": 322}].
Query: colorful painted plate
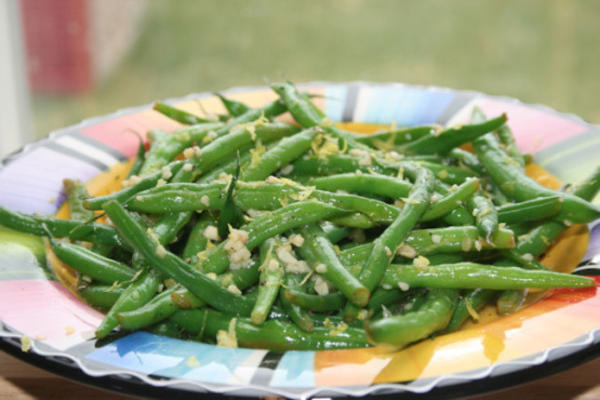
[{"x": 559, "y": 331}]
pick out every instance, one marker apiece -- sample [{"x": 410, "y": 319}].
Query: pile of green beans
[{"x": 336, "y": 240}]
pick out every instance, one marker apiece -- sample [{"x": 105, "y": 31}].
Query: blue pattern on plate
[
  {"x": 406, "y": 105},
  {"x": 335, "y": 99},
  {"x": 158, "y": 355},
  {"x": 296, "y": 369}
]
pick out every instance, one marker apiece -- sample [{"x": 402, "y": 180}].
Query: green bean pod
[
  {"x": 444, "y": 141},
  {"x": 515, "y": 184},
  {"x": 452, "y": 200},
  {"x": 234, "y": 107},
  {"x": 271, "y": 275},
  {"x": 146, "y": 182},
  {"x": 315, "y": 302},
  {"x": 40, "y": 225},
  {"x": 178, "y": 115},
  {"x": 364, "y": 184},
  {"x": 100, "y": 295},
  {"x": 434, "y": 241},
  {"x": 273, "y": 334},
  {"x": 76, "y": 193},
  {"x": 166, "y": 149},
  {"x": 400, "y": 330},
  {"x": 96, "y": 266},
  {"x": 386, "y": 140},
  {"x": 158, "y": 309},
  {"x": 139, "y": 160},
  {"x": 267, "y": 226},
  {"x": 286, "y": 151},
  {"x": 530, "y": 210},
  {"x": 134, "y": 296},
  {"x": 169, "y": 264},
  {"x": 475, "y": 300},
  {"x": 486, "y": 215},
  {"x": 385, "y": 246},
  {"x": 298, "y": 315},
  {"x": 467, "y": 275},
  {"x": 332, "y": 269}
]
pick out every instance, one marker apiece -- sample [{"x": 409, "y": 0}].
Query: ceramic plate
[{"x": 557, "y": 332}]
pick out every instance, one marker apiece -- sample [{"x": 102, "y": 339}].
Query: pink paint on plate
[
  {"x": 118, "y": 133},
  {"x": 46, "y": 311},
  {"x": 534, "y": 130}
]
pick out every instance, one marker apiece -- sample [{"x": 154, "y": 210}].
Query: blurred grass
[{"x": 538, "y": 51}]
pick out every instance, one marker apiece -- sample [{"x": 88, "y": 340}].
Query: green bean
[
  {"x": 385, "y": 140},
  {"x": 238, "y": 139},
  {"x": 510, "y": 301},
  {"x": 167, "y": 328},
  {"x": 467, "y": 159},
  {"x": 382, "y": 297},
  {"x": 267, "y": 226},
  {"x": 183, "y": 298},
  {"x": 269, "y": 110},
  {"x": 364, "y": 184},
  {"x": 169, "y": 225},
  {"x": 315, "y": 302},
  {"x": 334, "y": 164},
  {"x": 286, "y": 151},
  {"x": 505, "y": 135},
  {"x": 271, "y": 274},
  {"x": 471, "y": 276},
  {"x": 299, "y": 316},
  {"x": 235, "y": 108},
  {"x": 474, "y": 300},
  {"x": 589, "y": 188},
  {"x": 253, "y": 195},
  {"x": 308, "y": 115},
  {"x": 273, "y": 334},
  {"x": 486, "y": 215},
  {"x": 101, "y": 296},
  {"x": 298, "y": 106},
  {"x": 165, "y": 150},
  {"x": 534, "y": 243},
  {"x": 434, "y": 241},
  {"x": 156, "y": 310},
  {"x": 384, "y": 246},
  {"x": 515, "y": 184},
  {"x": 196, "y": 241},
  {"x": 452, "y": 200},
  {"x": 134, "y": 296},
  {"x": 76, "y": 193},
  {"x": 171, "y": 265},
  {"x": 530, "y": 210},
  {"x": 126, "y": 193},
  {"x": 444, "y": 141},
  {"x": 227, "y": 168},
  {"x": 523, "y": 260},
  {"x": 334, "y": 233},
  {"x": 331, "y": 267},
  {"x": 139, "y": 160},
  {"x": 75, "y": 230},
  {"x": 445, "y": 173},
  {"x": 96, "y": 266},
  {"x": 179, "y": 115},
  {"x": 400, "y": 330}
]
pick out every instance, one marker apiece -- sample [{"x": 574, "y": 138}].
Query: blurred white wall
[{"x": 15, "y": 126}]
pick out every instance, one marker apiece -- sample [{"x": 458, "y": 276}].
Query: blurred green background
[{"x": 538, "y": 51}]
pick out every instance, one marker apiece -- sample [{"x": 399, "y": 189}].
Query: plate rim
[{"x": 399, "y": 389}]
